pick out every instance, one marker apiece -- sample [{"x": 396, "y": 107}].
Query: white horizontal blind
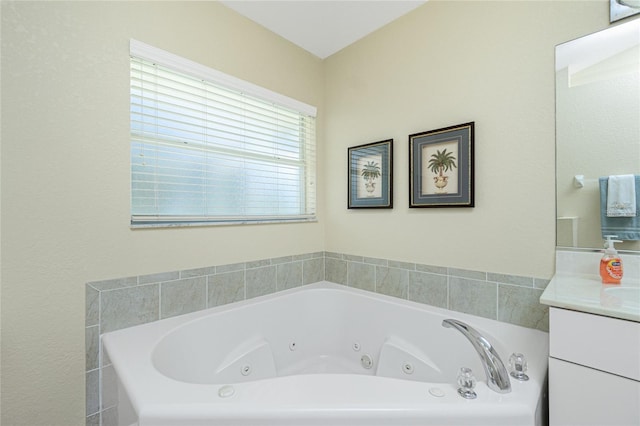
[{"x": 202, "y": 152}]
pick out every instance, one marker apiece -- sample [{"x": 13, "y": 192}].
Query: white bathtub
[{"x": 296, "y": 358}]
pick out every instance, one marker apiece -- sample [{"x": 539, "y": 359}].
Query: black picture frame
[
  {"x": 370, "y": 174},
  {"x": 441, "y": 169}
]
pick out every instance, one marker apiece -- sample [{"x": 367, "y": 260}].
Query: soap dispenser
[{"x": 610, "y": 264}]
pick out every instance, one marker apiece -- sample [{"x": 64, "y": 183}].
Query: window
[{"x": 209, "y": 148}]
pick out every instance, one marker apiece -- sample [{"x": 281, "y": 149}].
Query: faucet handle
[
  {"x": 518, "y": 366},
  {"x": 467, "y": 382}
]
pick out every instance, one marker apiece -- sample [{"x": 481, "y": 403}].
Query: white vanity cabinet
[
  {"x": 594, "y": 370},
  {"x": 594, "y": 343}
]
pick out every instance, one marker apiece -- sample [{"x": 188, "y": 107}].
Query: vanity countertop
[{"x": 586, "y": 293}]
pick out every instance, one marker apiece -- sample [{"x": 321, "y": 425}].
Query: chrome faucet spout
[{"x": 497, "y": 375}]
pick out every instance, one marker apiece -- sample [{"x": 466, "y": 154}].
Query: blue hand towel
[{"x": 626, "y": 228}]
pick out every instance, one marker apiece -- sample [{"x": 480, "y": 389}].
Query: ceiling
[{"x": 322, "y": 27}]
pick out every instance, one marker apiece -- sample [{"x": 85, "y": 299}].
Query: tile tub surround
[
  {"x": 507, "y": 298},
  {"x": 125, "y": 302}
]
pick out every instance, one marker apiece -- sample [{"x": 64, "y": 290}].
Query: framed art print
[
  {"x": 371, "y": 175},
  {"x": 441, "y": 167}
]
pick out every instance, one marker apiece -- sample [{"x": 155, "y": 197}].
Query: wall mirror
[{"x": 597, "y": 127}]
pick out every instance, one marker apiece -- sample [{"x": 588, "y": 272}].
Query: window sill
[{"x": 141, "y": 224}]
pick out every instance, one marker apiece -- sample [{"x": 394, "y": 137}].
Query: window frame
[{"x": 307, "y": 180}]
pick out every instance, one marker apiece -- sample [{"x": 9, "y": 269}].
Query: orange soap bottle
[{"x": 611, "y": 264}]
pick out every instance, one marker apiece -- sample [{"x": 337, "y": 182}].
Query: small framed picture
[
  {"x": 441, "y": 167},
  {"x": 371, "y": 176}
]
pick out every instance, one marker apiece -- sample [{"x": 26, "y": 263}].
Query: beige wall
[
  {"x": 65, "y": 176},
  {"x": 448, "y": 63},
  {"x": 65, "y": 155}
]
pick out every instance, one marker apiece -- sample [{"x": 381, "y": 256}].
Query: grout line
[
  {"x": 375, "y": 279},
  {"x": 100, "y": 357},
  {"x": 497, "y": 301},
  {"x": 347, "y": 278},
  {"x": 448, "y": 292},
  {"x": 159, "y": 301},
  {"x": 100, "y": 394},
  {"x": 206, "y": 291}
]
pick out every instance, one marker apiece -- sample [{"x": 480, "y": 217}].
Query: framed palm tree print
[
  {"x": 441, "y": 167},
  {"x": 371, "y": 175}
]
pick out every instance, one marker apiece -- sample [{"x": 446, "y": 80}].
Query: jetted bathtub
[{"x": 322, "y": 354}]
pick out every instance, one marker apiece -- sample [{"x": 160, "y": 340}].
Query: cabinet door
[
  {"x": 581, "y": 396},
  {"x": 603, "y": 343}
]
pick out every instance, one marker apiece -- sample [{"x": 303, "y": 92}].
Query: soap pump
[{"x": 611, "y": 264}]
